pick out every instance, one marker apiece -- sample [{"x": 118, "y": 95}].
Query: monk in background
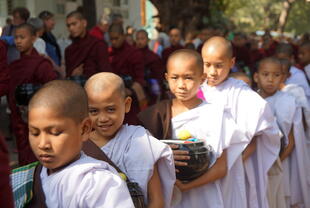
[
  {"x": 127, "y": 62},
  {"x": 175, "y": 41},
  {"x": 86, "y": 55},
  {"x": 30, "y": 68},
  {"x": 154, "y": 68}
]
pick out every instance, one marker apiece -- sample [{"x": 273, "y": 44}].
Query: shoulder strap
[
  {"x": 38, "y": 200},
  {"x": 92, "y": 150}
]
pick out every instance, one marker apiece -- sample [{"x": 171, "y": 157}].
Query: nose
[
  {"x": 102, "y": 118},
  {"x": 44, "y": 142},
  {"x": 212, "y": 71},
  {"x": 270, "y": 78},
  {"x": 180, "y": 83}
]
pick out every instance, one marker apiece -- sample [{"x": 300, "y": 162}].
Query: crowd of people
[{"x": 90, "y": 125}]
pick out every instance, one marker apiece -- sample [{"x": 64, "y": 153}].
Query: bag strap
[
  {"x": 38, "y": 200},
  {"x": 92, "y": 150}
]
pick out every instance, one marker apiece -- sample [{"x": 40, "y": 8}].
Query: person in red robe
[
  {"x": 127, "y": 62},
  {"x": 175, "y": 41},
  {"x": 6, "y": 196},
  {"x": 4, "y": 75},
  {"x": 86, "y": 55},
  {"x": 154, "y": 68},
  {"x": 101, "y": 28},
  {"x": 30, "y": 68}
]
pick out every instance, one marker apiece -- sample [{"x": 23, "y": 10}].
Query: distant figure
[
  {"x": 20, "y": 16},
  {"x": 39, "y": 43},
  {"x": 86, "y": 55},
  {"x": 100, "y": 30},
  {"x": 52, "y": 47},
  {"x": 175, "y": 41},
  {"x": 304, "y": 57}
]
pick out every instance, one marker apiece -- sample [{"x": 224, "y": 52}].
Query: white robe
[
  {"x": 297, "y": 166},
  {"x": 307, "y": 71},
  {"x": 216, "y": 127},
  {"x": 85, "y": 183},
  {"x": 135, "y": 152},
  {"x": 255, "y": 118},
  {"x": 298, "y": 77}
]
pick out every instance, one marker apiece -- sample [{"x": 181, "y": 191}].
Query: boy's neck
[
  {"x": 51, "y": 171},
  {"x": 27, "y": 52},
  {"x": 179, "y": 106},
  {"x": 265, "y": 95},
  {"x": 99, "y": 140}
]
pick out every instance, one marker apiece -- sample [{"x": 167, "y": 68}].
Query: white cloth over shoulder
[
  {"x": 135, "y": 152},
  {"x": 214, "y": 125},
  {"x": 298, "y": 77},
  {"x": 297, "y": 166},
  {"x": 40, "y": 46},
  {"x": 255, "y": 118},
  {"x": 307, "y": 71},
  {"x": 85, "y": 183}
]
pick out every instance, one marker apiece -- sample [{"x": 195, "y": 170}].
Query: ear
[
  {"x": 233, "y": 61},
  {"x": 128, "y": 102},
  {"x": 255, "y": 77},
  {"x": 86, "y": 129},
  {"x": 203, "y": 79},
  {"x": 33, "y": 39},
  {"x": 84, "y": 22}
]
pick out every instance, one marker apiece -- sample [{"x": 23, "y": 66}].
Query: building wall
[{"x": 130, "y": 9}]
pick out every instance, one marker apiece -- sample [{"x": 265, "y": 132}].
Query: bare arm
[
  {"x": 217, "y": 171},
  {"x": 155, "y": 196},
  {"x": 249, "y": 150},
  {"x": 290, "y": 147}
]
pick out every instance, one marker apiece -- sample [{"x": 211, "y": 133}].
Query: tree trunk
[
  {"x": 287, "y": 5},
  {"x": 89, "y": 10},
  {"x": 185, "y": 14}
]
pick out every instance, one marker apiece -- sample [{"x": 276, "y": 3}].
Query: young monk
[
  {"x": 30, "y": 68},
  {"x": 86, "y": 55},
  {"x": 304, "y": 57},
  {"x": 142, "y": 158},
  {"x": 294, "y": 155},
  {"x": 65, "y": 177},
  {"x": 153, "y": 67},
  {"x": 127, "y": 62},
  {"x": 252, "y": 115},
  {"x": 175, "y": 44},
  {"x": 297, "y": 76},
  {"x": 187, "y": 112}
]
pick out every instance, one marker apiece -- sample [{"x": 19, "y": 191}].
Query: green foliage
[{"x": 253, "y": 15}]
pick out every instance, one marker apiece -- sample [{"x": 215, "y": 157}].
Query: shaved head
[
  {"x": 104, "y": 81},
  {"x": 142, "y": 32},
  {"x": 66, "y": 98},
  {"x": 28, "y": 27},
  {"x": 77, "y": 15},
  {"x": 218, "y": 44},
  {"x": 187, "y": 55},
  {"x": 269, "y": 60},
  {"x": 116, "y": 28}
]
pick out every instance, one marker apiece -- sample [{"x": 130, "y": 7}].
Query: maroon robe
[
  {"x": 91, "y": 52},
  {"x": 128, "y": 60},
  {"x": 242, "y": 54},
  {"x": 157, "y": 119},
  {"x": 168, "y": 51},
  {"x": 156, "y": 69},
  {"x": 33, "y": 69},
  {"x": 4, "y": 75},
  {"x": 6, "y": 196}
]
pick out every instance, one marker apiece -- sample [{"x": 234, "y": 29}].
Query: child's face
[
  {"x": 107, "y": 111},
  {"x": 184, "y": 79},
  {"x": 304, "y": 55},
  {"x": 116, "y": 39},
  {"x": 23, "y": 40},
  {"x": 56, "y": 140},
  {"x": 268, "y": 78},
  {"x": 216, "y": 66}
]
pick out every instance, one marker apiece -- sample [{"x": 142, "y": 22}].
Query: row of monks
[{"x": 257, "y": 160}]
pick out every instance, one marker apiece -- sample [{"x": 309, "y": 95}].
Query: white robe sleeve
[{"x": 140, "y": 157}]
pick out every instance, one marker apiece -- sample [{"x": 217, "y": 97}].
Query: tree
[
  {"x": 184, "y": 14},
  {"x": 287, "y": 5}
]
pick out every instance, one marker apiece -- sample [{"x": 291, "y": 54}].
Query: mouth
[
  {"x": 105, "y": 127},
  {"x": 46, "y": 158}
]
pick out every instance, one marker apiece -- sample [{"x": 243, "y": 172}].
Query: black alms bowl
[{"x": 200, "y": 159}]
